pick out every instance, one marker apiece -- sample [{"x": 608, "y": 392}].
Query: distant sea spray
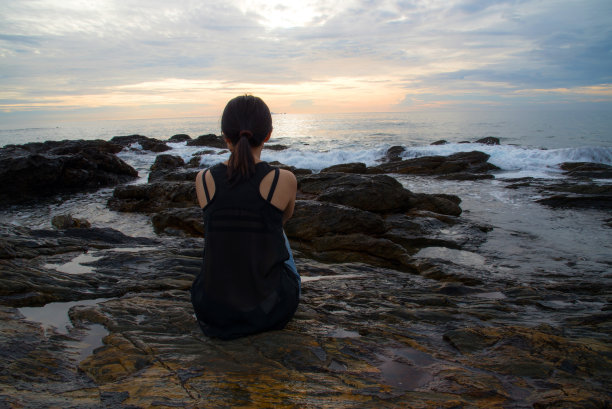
[{"x": 532, "y": 143}]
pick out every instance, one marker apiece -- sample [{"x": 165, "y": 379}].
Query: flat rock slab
[{"x": 362, "y": 336}]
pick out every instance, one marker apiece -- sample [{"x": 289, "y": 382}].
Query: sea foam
[{"x": 514, "y": 161}]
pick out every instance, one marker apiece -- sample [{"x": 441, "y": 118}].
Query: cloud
[{"x": 338, "y": 55}]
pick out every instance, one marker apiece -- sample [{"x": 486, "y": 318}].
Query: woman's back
[
  {"x": 248, "y": 282},
  {"x": 244, "y": 241}
]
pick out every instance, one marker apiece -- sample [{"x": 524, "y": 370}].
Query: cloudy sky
[{"x": 114, "y": 59}]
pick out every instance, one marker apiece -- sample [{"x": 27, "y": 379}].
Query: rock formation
[{"x": 42, "y": 169}]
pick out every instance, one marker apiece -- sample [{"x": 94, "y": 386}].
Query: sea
[{"x": 529, "y": 244}]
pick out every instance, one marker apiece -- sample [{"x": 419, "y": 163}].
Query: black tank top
[{"x": 244, "y": 247}]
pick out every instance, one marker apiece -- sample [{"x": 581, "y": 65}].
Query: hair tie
[{"x": 246, "y": 133}]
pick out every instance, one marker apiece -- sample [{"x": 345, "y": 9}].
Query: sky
[{"x": 128, "y": 59}]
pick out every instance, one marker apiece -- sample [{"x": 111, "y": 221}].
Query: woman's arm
[
  {"x": 284, "y": 195},
  {"x": 210, "y": 184},
  {"x": 291, "y": 189}
]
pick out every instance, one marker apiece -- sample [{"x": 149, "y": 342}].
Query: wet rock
[
  {"x": 165, "y": 162},
  {"x": 489, "y": 140},
  {"x": 603, "y": 202},
  {"x": 440, "y": 142},
  {"x": 66, "y": 221},
  {"x": 66, "y": 147},
  {"x": 315, "y": 219},
  {"x": 377, "y": 193},
  {"x": 153, "y": 197},
  {"x": 462, "y": 162},
  {"x": 575, "y": 192},
  {"x": 587, "y": 170},
  {"x": 146, "y": 143},
  {"x": 194, "y": 162},
  {"x": 28, "y": 280},
  {"x": 186, "y": 174},
  {"x": 449, "y": 272},
  {"x": 37, "y": 170},
  {"x": 166, "y": 165},
  {"x": 179, "y": 221},
  {"x": 441, "y": 203},
  {"x": 359, "y": 248},
  {"x": 210, "y": 140},
  {"x": 466, "y": 176},
  {"x": 25, "y": 243},
  {"x": 277, "y": 147},
  {"x": 358, "y": 198},
  {"x": 417, "y": 230},
  {"x": 362, "y": 334},
  {"x": 357, "y": 167},
  {"x": 179, "y": 138},
  {"x": 292, "y": 169},
  {"x": 529, "y": 352},
  {"x": 394, "y": 153},
  {"x": 469, "y": 340}
]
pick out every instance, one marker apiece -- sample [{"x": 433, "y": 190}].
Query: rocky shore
[{"x": 379, "y": 324}]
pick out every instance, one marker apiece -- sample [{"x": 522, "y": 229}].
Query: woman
[{"x": 248, "y": 282}]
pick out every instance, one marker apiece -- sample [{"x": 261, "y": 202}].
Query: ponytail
[
  {"x": 246, "y": 122},
  {"x": 241, "y": 164}
]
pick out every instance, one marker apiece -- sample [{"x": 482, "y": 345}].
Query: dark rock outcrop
[
  {"x": 472, "y": 163},
  {"x": 338, "y": 217},
  {"x": 376, "y": 193},
  {"x": 210, "y": 140},
  {"x": 165, "y": 162},
  {"x": 602, "y": 202},
  {"x": 582, "y": 189},
  {"x": 186, "y": 174},
  {"x": 347, "y": 221},
  {"x": 146, "y": 143},
  {"x": 164, "y": 166},
  {"x": 314, "y": 219},
  {"x": 42, "y": 169},
  {"x": 394, "y": 153},
  {"x": 293, "y": 169},
  {"x": 489, "y": 140},
  {"x": 179, "y": 222},
  {"x": 277, "y": 147},
  {"x": 587, "y": 170},
  {"x": 181, "y": 137},
  {"x": 356, "y": 167},
  {"x": 440, "y": 142},
  {"x": 153, "y": 197}
]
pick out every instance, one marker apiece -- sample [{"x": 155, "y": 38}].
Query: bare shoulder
[
  {"x": 199, "y": 175},
  {"x": 200, "y": 191},
  {"x": 287, "y": 177}
]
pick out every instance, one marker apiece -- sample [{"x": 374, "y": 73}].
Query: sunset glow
[{"x": 129, "y": 59}]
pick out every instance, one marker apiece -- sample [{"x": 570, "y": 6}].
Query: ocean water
[{"x": 532, "y": 143}]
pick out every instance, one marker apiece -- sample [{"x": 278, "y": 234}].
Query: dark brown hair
[{"x": 246, "y": 122}]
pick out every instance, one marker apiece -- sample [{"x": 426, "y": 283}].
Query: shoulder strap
[
  {"x": 273, "y": 187},
  {"x": 205, "y": 187}
]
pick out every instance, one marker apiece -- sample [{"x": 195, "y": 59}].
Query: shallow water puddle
[
  {"x": 405, "y": 368},
  {"x": 76, "y": 265},
  {"x": 343, "y": 333},
  {"x": 91, "y": 341},
  {"x": 54, "y": 315},
  {"x": 53, "y": 318}
]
